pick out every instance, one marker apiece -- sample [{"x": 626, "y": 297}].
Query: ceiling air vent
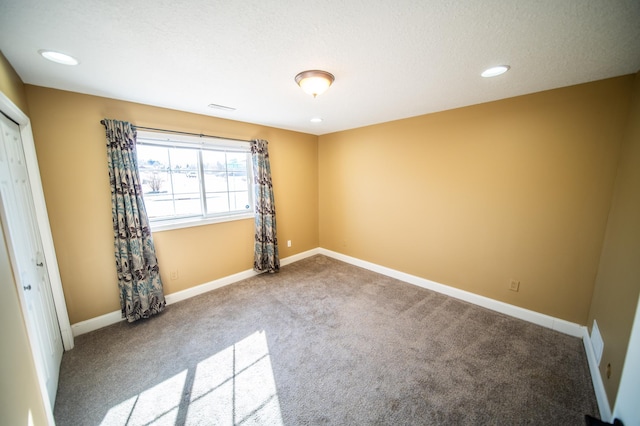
[{"x": 221, "y": 107}]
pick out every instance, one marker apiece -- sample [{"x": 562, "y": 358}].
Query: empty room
[{"x": 280, "y": 213}]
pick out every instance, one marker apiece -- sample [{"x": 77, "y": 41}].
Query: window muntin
[{"x": 186, "y": 179}]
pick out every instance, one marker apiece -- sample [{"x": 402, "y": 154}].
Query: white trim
[
  {"x": 557, "y": 324},
  {"x": 596, "y": 378},
  {"x": 177, "y": 140},
  {"x": 198, "y": 144},
  {"x": 206, "y": 287},
  {"x": 96, "y": 323},
  {"x": 297, "y": 257},
  {"x": 46, "y": 236},
  {"x": 171, "y": 224},
  {"x": 626, "y": 406},
  {"x": 42, "y": 217},
  {"x": 596, "y": 341}
]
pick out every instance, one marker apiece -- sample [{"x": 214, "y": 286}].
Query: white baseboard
[
  {"x": 557, "y": 324},
  {"x": 89, "y": 325},
  {"x": 96, "y": 323},
  {"x": 296, "y": 257},
  {"x": 505, "y": 308},
  {"x": 211, "y": 285},
  {"x": 596, "y": 378}
]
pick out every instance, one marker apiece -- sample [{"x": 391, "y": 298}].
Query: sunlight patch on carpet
[
  {"x": 234, "y": 386},
  {"x": 156, "y": 405}
]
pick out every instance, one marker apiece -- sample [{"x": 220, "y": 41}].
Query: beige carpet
[{"x": 324, "y": 342}]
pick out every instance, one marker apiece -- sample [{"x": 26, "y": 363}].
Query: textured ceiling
[{"x": 391, "y": 59}]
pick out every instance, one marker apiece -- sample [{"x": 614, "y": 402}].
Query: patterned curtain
[
  {"x": 139, "y": 281},
  {"x": 266, "y": 257}
]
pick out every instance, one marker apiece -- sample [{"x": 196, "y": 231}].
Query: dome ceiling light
[{"x": 314, "y": 82}]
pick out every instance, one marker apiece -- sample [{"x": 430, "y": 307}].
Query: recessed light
[
  {"x": 60, "y": 58},
  {"x": 494, "y": 71},
  {"x": 316, "y": 120}
]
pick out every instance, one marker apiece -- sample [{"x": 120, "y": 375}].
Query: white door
[
  {"x": 626, "y": 408},
  {"x": 25, "y": 246}
]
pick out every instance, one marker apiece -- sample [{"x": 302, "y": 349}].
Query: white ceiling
[{"x": 391, "y": 59}]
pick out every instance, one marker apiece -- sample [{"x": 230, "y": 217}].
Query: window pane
[
  {"x": 157, "y": 200},
  {"x": 185, "y": 182},
  {"x": 188, "y": 204},
  {"x": 215, "y": 181},
  {"x": 237, "y": 163},
  {"x": 152, "y": 165},
  {"x": 240, "y": 201},
  {"x": 152, "y": 160},
  {"x": 170, "y": 183},
  {"x": 238, "y": 181},
  {"x": 214, "y": 160},
  {"x": 217, "y": 202},
  {"x": 226, "y": 171},
  {"x": 174, "y": 179}
]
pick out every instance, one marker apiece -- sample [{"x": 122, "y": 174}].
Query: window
[{"x": 194, "y": 180}]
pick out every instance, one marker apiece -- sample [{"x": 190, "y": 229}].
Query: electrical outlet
[
  {"x": 173, "y": 275},
  {"x": 514, "y": 285},
  {"x": 288, "y": 243}
]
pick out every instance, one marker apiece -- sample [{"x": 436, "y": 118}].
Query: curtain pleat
[
  {"x": 266, "y": 258},
  {"x": 141, "y": 294}
]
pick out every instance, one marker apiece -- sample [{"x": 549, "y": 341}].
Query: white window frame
[{"x": 200, "y": 143}]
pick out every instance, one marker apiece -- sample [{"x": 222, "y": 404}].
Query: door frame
[
  {"x": 42, "y": 218},
  {"x": 626, "y": 404}
]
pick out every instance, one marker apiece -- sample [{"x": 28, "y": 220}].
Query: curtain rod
[{"x": 178, "y": 132}]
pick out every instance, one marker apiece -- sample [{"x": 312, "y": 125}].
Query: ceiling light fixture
[
  {"x": 495, "y": 71},
  {"x": 314, "y": 82},
  {"x": 57, "y": 57},
  {"x": 316, "y": 120}
]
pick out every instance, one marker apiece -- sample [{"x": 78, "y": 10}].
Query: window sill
[{"x": 169, "y": 225}]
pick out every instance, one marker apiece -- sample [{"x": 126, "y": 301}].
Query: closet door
[{"x": 28, "y": 262}]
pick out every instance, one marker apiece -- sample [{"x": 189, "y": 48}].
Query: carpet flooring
[{"x": 325, "y": 343}]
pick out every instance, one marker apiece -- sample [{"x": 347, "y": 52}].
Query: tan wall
[
  {"x": 11, "y": 85},
  {"x": 19, "y": 388},
  {"x": 70, "y": 143},
  {"x": 615, "y": 296},
  {"x": 473, "y": 197}
]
